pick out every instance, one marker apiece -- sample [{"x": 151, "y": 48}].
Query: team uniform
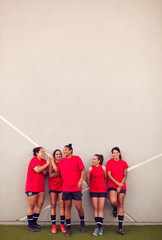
[
  {"x": 70, "y": 169},
  {"x": 117, "y": 170},
  {"x": 55, "y": 186},
  {"x": 98, "y": 187},
  {"x": 35, "y": 181},
  {"x": 55, "y": 183}
]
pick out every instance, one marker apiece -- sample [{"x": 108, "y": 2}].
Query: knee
[
  {"x": 113, "y": 203},
  {"x": 31, "y": 206},
  {"x": 68, "y": 207}
]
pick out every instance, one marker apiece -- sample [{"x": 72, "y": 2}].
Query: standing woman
[
  {"x": 55, "y": 190},
  {"x": 117, "y": 174},
  {"x": 35, "y": 190},
  {"x": 72, "y": 171},
  {"x": 96, "y": 180}
]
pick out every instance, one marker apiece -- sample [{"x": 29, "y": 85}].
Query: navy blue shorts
[
  {"x": 114, "y": 189},
  {"x": 97, "y": 195},
  {"x": 76, "y": 195},
  {"x": 53, "y": 191}
]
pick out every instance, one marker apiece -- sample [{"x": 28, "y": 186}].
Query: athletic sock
[
  {"x": 68, "y": 224},
  {"x": 53, "y": 219},
  {"x": 30, "y": 220},
  {"x": 120, "y": 220},
  {"x": 35, "y": 217},
  {"x": 99, "y": 222},
  {"x": 115, "y": 208},
  {"x": 62, "y": 219},
  {"x": 82, "y": 220}
]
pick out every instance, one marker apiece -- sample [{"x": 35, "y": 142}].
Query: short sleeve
[
  {"x": 125, "y": 165},
  {"x": 80, "y": 164},
  {"x": 108, "y": 166},
  {"x": 34, "y": 163}
]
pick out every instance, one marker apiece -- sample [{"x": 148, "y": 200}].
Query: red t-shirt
[
  {"x": 97, "y": 181},
  {"x": 55, "y": 183},
  {"x": 117, "y": 172},
  {"x": 70, "y": 169},
  {"x": 35, "y": 181}
]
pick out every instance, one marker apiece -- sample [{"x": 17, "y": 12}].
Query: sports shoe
[
  {"x": 115, "y": 211},
  {"x": 83, "y": 229},
  {"x": 54, "y": 229},
  {"x": 38, "y": 226},
  {"x": 68, "y": 233},
  {"x": 96, "y": 232},
  {"x": 32, "y": 229},
  {"x": 62, "y": 228},
  {"x": 120, "y": 231},
  {"x": 100, "y": 231}
]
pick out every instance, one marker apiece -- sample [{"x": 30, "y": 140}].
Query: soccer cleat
[
  {"x": 96, "y": 232},
  {"x": 62, "y": 228},
  {"x": 83, "y": 229},
  {"x": 38, "y": 226},
  {"x": 100, "y": 231},
  {"x": 68, "y": 233},
  {"x": 115, "y": 211},
  {"x": 120, "y": 231},
  {"x": 54, "y": 229},
  {"x": 32, "y": 229}
]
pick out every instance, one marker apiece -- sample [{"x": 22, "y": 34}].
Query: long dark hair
[
  {"x": 117, "y": 149},
  {"x": 55, "y": 152},
  {"x": 100, "y": 158}
]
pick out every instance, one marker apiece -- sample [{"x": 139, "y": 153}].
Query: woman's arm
[
  {"x": 52, "y": 173},
  {"x": 113, "y": 179},
  {"x": 39, "y": 169},
  {"x": 88, "y": 176},
  {"x": 80, "y": 183},
  {"x": 123, "y": 180},
  {"x": 104, "y": 168}
]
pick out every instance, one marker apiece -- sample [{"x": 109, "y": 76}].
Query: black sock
[
  {"x": 99, "y": 222},
  {"x": 68, "y": 224},
  {"x": 35, "y": 217},
  {"x": 96, "y": 219},
  {"x": 115, "y": 208},
  {"x": 120, "y": 219},
  {"x": 30, "y": 220},
  {"x": 62, "y": 219},
  {"x": 82, "y": 220},
  {"x": 53, "y": 219}
]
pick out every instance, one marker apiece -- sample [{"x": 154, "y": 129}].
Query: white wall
[{"x": 86, "y": 73}]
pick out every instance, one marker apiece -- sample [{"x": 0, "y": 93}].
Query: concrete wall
[{"x": 85, "y": 72}]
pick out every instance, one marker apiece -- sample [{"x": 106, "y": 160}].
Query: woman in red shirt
[
  {"x": 117, "y": 174},
  {"x": 72, "y": 171},
  {"x": 55, "y": 190},
  {"x": 35, "y": 190},
  {"x": 96, "y": 180}
]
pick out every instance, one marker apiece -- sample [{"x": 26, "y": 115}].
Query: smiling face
[
  {"x": 41, "y": 154},
  {"x": 67, "y": 152},
  {"x": 95, "y": 161},
  {"x": 116, "y": 155},
  {"x": 58, "y": 156}
]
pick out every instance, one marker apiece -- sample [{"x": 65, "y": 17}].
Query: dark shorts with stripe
[{"x": 31, "y": 193}]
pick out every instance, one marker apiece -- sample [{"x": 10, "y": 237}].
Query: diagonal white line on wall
[{"x": 35, "y": 144}]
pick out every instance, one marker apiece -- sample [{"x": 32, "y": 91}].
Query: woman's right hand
[{"x": 120, "y": 185}]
